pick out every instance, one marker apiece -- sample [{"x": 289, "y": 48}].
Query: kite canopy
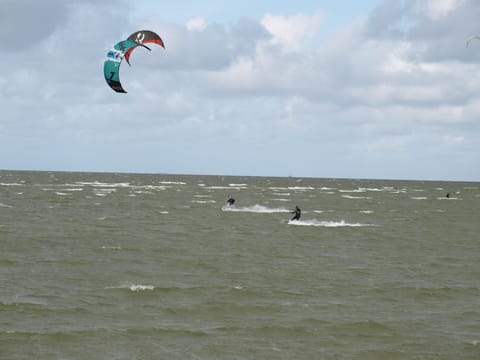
[
  {"x": 143, "y": 37},
  {"x": 122, "y": 50}
]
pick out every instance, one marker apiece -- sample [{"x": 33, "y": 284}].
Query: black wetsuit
[
  {"x": 297, "y": 213},
  {"x": 231, "y": 201}
]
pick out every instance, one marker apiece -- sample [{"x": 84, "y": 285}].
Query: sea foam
[{"x": 314, "y": 222}]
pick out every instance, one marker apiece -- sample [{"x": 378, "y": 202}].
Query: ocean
[{"x": 132, "y": 266}]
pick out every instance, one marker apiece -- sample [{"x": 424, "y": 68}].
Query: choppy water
[{"x": 115, "y": 266}]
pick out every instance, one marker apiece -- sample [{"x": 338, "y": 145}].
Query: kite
[
  {"x": 123, "y": 50},
  {"x": 473, "y": 37}
]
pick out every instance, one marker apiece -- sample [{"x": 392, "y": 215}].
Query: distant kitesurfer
[
  {"x": 448, "y": 195},
  {"x": 297, "y": 213},
  {"x": 231, "y": 201}
]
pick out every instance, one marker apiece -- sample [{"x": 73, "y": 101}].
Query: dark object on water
[
  {"x": 448, "y": 195},
  {"x": 297, "y": 213},
  {"x": 231, "y": 201}
]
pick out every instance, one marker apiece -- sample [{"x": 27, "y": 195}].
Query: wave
[
  {"x": 299, "y": 188},
  {"x": 111, "y": 248},
  {"x": 214, "y": 187},
  {"x": 255, "y": 209},
  {"x": 204, "y": 201},
  {"x": 133, "y": 287},
  {"x": 11, "y": 184},
  {"x": 355, "y": 197},
  {"x": 62, "y": 193},
  {"x": 103, "y": 184},
  {"x": 315, "y": 222}
]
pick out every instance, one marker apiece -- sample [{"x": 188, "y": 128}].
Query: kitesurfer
[
  {"x": 231, "y": 201},
  {"x": 447, "y": 196},
  {"x": 297, "y": 213}
]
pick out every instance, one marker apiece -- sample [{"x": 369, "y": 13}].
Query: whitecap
[
  {"x": 111, "y": 248},
  {"x": 62, "y": 194},
  {"x": 314, "y": 222},
  {"x": 108, "y": 191},
  {"x": 224, "y": 187},
  {"x": 355, "y": 197},
  {"x": 204, "y": 201},
  {"x": 373, "y": 189},
  {"x": 133, "y": 287},
  {"x": 103, "y": 184},
  {"x": 301, "y": 188}
]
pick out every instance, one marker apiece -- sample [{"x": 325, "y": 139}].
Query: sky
[{"x": 375, "y": 89}]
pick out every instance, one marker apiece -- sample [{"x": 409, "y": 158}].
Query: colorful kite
[{"x": 124, "y": 49}]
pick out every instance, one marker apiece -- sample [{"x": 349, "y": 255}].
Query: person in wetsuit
[
  {"x": 297, "y": 213},
  {"x": 230, "y": 201}
]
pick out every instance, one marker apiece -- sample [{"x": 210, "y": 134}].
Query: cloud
[
  {"x": 196, "y": 24},
  {"x": 26, "y": 22},
  {"x": 438, "y": 9},
  {"x": 289, "y": 32},
  {"x": 453, "y": 139},
  {"x": 372, "y": 96}
]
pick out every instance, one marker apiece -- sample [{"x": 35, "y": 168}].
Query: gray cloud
[
  {"x": 23, "y": 23},
  {"x": 438, "y": 38},
  {"x": 212, "y": 48},
  {"x": 366, "y": 100}
]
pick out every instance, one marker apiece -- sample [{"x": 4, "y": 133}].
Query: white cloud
[
  {"x": 196, "y": 24},
  {"x": 290, "y": 32},
  {"x": 451, "y": 140},
  {"x": 438, "y": 9}
]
